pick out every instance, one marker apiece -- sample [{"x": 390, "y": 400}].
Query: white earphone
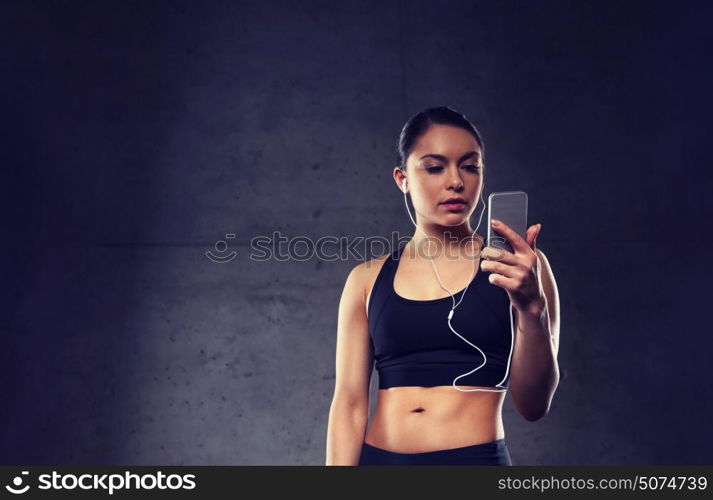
[{"x": 450, "y": 314}]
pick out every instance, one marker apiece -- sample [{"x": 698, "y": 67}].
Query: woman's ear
[{"x": 400, "y": 178}]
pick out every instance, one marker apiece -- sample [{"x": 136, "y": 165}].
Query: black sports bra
[{"x": 413, "y": 345}]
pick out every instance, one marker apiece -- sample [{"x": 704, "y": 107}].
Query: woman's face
[{"x": 446, "y": 162}]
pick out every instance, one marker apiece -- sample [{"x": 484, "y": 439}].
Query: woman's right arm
[{"x": 349, "y": 412}]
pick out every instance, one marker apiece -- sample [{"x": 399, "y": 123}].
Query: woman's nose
[{"x": 455, "y": 181}]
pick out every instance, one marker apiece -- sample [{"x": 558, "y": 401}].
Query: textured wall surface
[{"x": 136, "y": 135}]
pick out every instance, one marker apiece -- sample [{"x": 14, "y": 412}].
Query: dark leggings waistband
[{"x": 492, "y": 453}]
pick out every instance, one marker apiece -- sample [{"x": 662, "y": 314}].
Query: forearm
[
  {"x": 534, "y": 370},
  {"x": 345, "y": 432}
]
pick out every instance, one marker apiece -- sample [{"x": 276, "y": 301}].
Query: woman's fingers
[
  {"x": 508, "y": 271},
  {"x": 497, "y": 254},
  {"x": 515, "y": 240}
]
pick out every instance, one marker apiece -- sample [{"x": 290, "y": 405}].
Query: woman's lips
[{"x": 455, "y": 207}]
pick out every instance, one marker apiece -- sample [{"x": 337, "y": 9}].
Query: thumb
[{"x": 532, "y": 235}]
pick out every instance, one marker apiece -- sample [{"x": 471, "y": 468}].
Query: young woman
[{"x": 440, "y": 398}]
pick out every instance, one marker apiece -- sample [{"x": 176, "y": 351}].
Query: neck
[{"x": 434, "y": 237}]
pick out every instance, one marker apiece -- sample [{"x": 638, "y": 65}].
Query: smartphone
[{"x": 509, "y": 207}]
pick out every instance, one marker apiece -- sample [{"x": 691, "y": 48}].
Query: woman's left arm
[
  {"x": 534, "y": 372},
  {"x": 527, "y": 277}
]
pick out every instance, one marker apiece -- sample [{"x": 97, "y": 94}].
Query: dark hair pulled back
[{"x": 418, "y": 124}]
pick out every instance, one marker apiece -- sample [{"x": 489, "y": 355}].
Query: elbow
[
  {"x": 355, "y": 409},
  {"x": 534, "y": 416},
  {"x": 534, "y": 409}
]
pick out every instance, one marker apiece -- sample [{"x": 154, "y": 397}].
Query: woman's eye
[{"x": 437, "y": 168}]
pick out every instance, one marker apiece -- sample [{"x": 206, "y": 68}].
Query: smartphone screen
[{"x": 509, "y": 207}]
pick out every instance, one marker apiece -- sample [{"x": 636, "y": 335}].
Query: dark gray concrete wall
[{"x": 136, "y": 135}]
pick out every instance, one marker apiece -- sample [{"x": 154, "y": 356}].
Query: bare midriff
[{"x": 414, "y": 419}]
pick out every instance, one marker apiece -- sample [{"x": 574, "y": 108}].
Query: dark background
[{"x": 135, "y": 135}]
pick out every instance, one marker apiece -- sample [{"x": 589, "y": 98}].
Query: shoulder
[{"x": 364, "y": 274}]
